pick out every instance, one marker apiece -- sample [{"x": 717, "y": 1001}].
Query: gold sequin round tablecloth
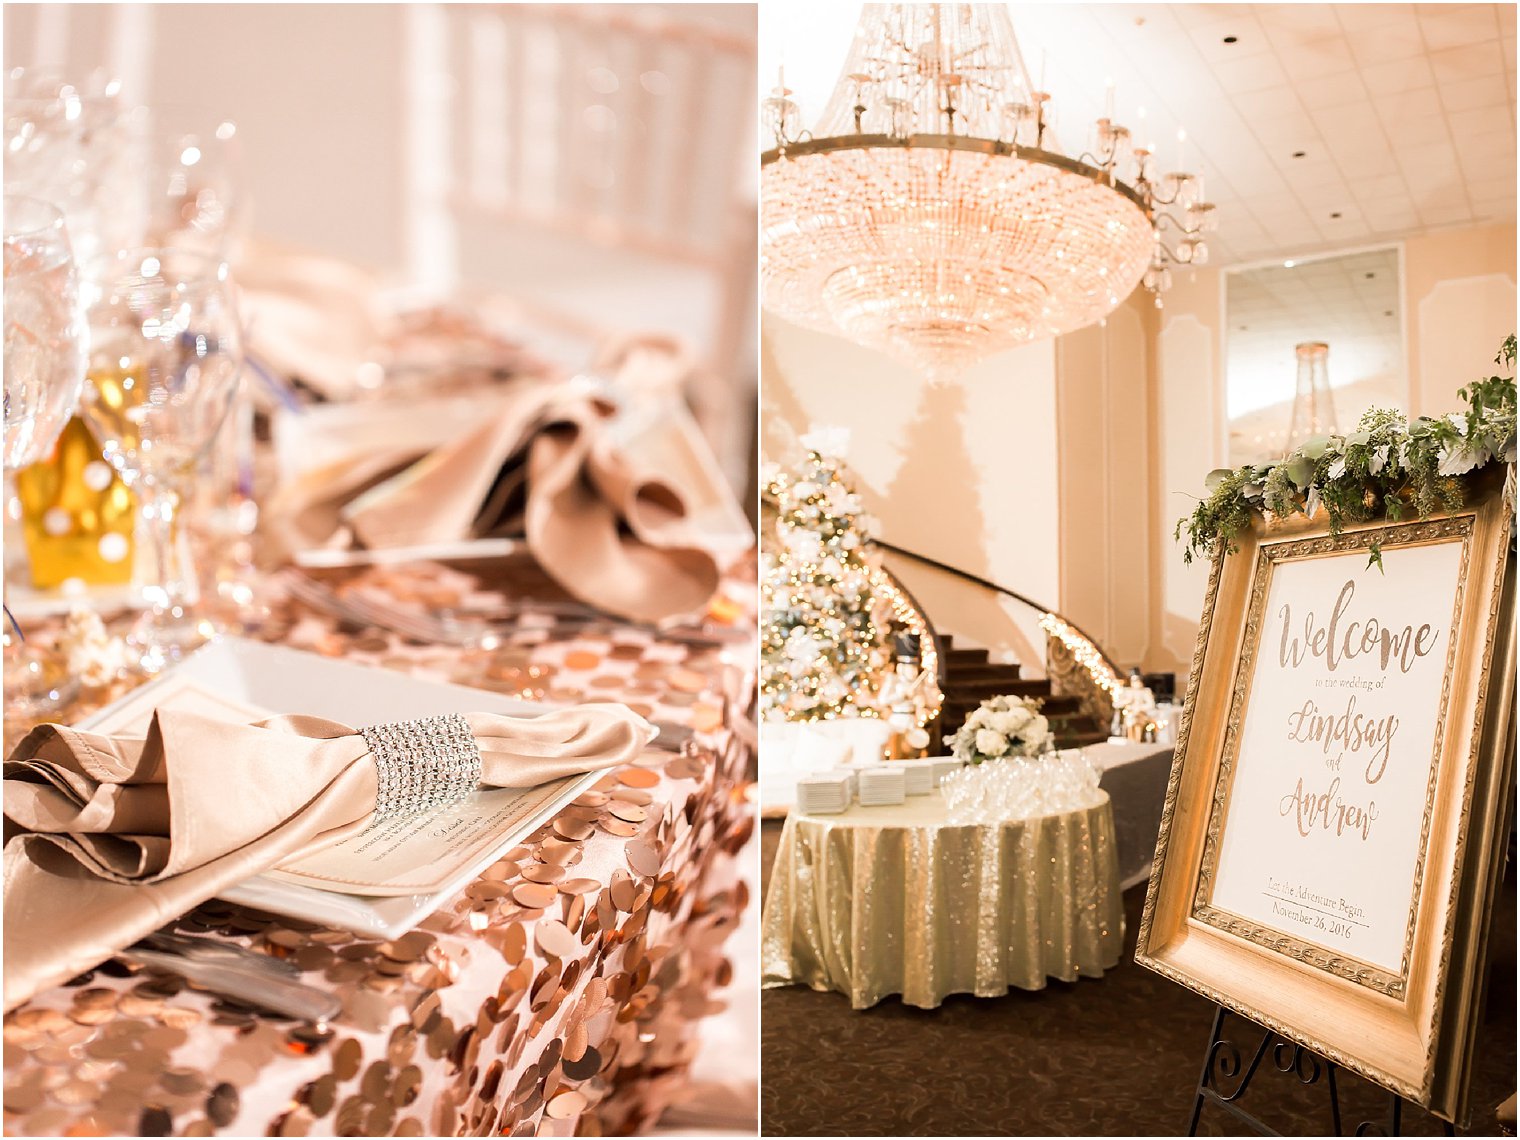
[{"x": 898, "y": 900}]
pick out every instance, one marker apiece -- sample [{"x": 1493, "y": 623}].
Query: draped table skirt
[
  {"x": 515, "y": 1009},
  {"x": 898, "y": 900}
]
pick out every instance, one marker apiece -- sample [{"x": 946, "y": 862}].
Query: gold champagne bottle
[{"x": 77, "y": 516}]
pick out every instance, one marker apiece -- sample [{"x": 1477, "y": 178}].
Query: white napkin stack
[
  {"x": 882, "y": 785},
  {"x": 943, "y": 765},
  {"x": 918, "y": 776},
  {"x": 826, "y": 793}
]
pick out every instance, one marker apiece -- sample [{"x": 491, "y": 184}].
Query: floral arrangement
[
  {"x": 1387, "y": 467},
  {"x": 1002, "y": 726},
  {"x": 824, "y": 623}
]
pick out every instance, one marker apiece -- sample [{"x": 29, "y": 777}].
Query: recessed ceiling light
[
  {"x": 1298, "y": 154},
  {"x": 1335, "y": 215},
  {"x": 1289, "y": 264},
  {"x": 1230, "y": 39},
  {"x": 1369, "y": 275}
]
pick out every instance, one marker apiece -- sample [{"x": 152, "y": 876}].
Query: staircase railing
[{"x": 1069, "y": 660}]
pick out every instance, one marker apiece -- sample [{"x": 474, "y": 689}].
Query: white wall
[{"x": 314, "y": 88}]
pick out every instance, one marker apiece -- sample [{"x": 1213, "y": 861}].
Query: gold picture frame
[{"x": 1404, "y": 1016}]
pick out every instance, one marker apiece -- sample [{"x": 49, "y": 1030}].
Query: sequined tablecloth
[
  {"x": 897, "y": 900},
  {"x": 559, "y": 994}
]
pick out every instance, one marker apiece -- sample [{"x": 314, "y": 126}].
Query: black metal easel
[{"x": 1227, "y": 1075}]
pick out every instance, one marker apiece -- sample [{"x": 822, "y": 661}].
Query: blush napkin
[
  {"x": 109, "y": 838},
  {"x": 545, "y": 466}
]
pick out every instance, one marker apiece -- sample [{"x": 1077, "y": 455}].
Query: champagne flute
[
  {"x": 44, "y": 370},
  {"x": 166, "y": 353}
]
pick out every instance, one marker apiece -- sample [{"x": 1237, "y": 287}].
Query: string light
[{"x": 1083, "y": 651}]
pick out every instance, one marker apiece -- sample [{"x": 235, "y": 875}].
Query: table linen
[
  {"x": 560, "y": 992},
  {"x": 897, "y": 900}
]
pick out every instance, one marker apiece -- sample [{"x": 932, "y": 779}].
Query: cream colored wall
[
  {"x": 1459, "y": 288},
  {"x": 965, "y": 472},
  {"x": 1106, "y": 449},
  {"x": 1190, "y": 442}
]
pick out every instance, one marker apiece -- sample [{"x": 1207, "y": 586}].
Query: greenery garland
[{"x": 1386, "y": 466}]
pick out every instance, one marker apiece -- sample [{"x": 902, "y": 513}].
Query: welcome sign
[
  {"x": 1340, "y": 707},
  {"x": 1333, "y": 835}
]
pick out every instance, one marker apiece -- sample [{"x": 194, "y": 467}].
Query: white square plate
[{"x": 281, "y": 680}]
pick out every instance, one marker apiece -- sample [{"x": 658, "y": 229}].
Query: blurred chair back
[{"x": 596, "y": 163}]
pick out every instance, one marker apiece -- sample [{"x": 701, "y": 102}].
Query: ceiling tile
[
  {"x": 1268, "y": 103},
  {"x": 1417, "y": 103},
  {"x": 1252, "y": 73},
  {"x": 1332, "y": 90},
  {"x": 1402, "y": 41},
  {"x": 1469, "y": 61},
  {"x": 1418, "y": 131},
  {"x": 1310, "y": 59},
  {"x": 1367, "y": 17},
  {"x": 1398, "y": 76},
  {"x": 1379, "y": 186},
  {"x": 1492, "y": 119},
  {"x": 1298, "y": 19},
  {"x": 1465, "y": 94},
  {"x": 1405, "y": 113},
  {"x": 1453, "y": 25}
]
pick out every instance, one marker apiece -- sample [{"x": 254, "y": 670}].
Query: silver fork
[{"x": 422, "y": 627}]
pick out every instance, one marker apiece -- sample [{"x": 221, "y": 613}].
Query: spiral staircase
[
  {"x": 1077, "y": 709},
  {"x": 970, "y": 678}
]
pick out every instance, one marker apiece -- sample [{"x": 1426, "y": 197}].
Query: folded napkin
[
  {"x": 109, "y": 838},
  {"x": 546, "y": 466}
]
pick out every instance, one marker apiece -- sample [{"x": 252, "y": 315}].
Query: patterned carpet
[{"x": 1117, "y": 1056}]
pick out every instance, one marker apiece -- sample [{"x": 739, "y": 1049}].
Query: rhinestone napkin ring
[{"x": 424, "y": 764}]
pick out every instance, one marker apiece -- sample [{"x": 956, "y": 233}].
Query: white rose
[
  {"x": 990, "y": 743},
  {"x": 1036, "y": 735},
  {"x": 1012, "y": 722}
]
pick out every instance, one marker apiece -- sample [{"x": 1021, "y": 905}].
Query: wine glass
[
  {"x": 44, "y": 371},
  {"x": 66, "y": 143},
  {"x": 166, "y": 353}
]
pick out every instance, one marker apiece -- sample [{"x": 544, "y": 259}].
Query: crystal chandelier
[
  {"x": 930, "y": 214},
  {"x": 1313, "y": 405}
]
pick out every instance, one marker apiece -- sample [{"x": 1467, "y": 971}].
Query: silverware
[
  {"x": 211, "y": 950},
  {"x": 446, "y": 629},
  {"x": 253, "y": 985},
  {"x": 423, "y": 627}
]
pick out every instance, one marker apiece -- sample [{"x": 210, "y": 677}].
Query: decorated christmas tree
[{"x": 825, "y": 632}]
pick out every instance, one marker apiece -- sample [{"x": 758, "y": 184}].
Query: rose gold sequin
[
  {"x": 534, "y": 895},
  {"x": 555, "y": 939},
  {"x": 544, "y": 873},
  {"x": 572, "y": 828},
  {"x": 566, "y": 1104}
]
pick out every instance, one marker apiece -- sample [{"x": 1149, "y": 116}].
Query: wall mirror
[{"x": 1310, "y": 345}]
